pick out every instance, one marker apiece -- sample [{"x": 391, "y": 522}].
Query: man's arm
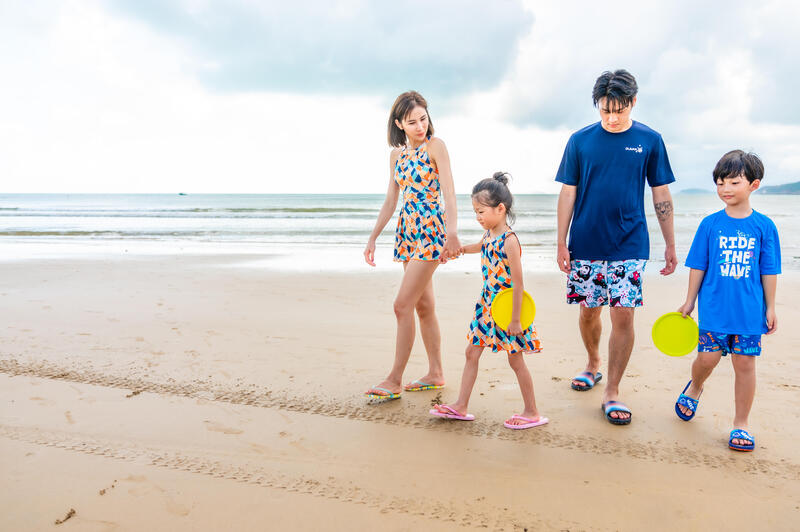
[
  {"x": 662, "y": 201},
  {"x": 566, "y": 204}
]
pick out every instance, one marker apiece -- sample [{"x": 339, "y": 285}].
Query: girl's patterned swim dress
[
  {"x": 420, "y": 230},
  {"x": 496, "y": 272}
]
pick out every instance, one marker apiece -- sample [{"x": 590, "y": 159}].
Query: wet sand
[{"x": 191, "y": 393}]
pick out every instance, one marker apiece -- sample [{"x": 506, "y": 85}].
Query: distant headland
[{"x": 786, "y": 188}]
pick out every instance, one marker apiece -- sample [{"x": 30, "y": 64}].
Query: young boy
[{"x": 734, "y": 259}]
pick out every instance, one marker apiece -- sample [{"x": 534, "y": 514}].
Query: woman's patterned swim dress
[
  {"x": 496, "y": 272},
  {"x": 420, "y": 231}
]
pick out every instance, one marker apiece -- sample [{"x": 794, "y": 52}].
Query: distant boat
[{"x": 181, "y": 193}]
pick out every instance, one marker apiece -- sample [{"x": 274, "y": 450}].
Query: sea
[{"x": 304, "y": 232}]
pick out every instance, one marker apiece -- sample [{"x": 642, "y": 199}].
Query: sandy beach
[{"x": 196, "y": 393}]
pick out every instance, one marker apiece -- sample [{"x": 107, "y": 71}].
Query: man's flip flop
[
  {"x": 587, "y": 378},
  {"x": 388, "y": 395},
  {"x": 450, "y": 413},
  {"x": 741, "y": 434},
  {"x": 616, "y": 406},
  {"x": 529, "y": 423},
  {"x": 687, "y": 402},
  {"x": 419, "y": 386}
]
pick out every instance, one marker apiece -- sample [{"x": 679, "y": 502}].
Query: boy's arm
[
  {"x": 770, "y": 283},
  {"x": 695, "y": 280},
  {"x": 472, "y": 248},
  {"x": 662, "y": 202}
]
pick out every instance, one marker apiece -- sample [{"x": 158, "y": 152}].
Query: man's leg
[
  {"x": 620, "y": 346},
  {"x": 591, "y": 328}
]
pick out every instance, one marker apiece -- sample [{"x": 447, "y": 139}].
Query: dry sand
[{"x": 191, "y": 393}]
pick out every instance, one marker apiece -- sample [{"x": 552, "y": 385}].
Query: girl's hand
[
  {"x": 686, "y": 309},
  {"x": 772, "y": 321},
  {"x": 452, "y": 247},
  {"x": 515, "y": 328},
  {"x": 369, "y": 253}
]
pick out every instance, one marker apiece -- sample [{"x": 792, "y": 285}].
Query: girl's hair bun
[{"x": 501, "y": 176}]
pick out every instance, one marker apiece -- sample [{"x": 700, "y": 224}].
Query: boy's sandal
[
  {"x": 687, "y": 402},
  {"x": 741, "y": 434},
  {"x": 587, "y": 378},
  {"x": 616, "y": 406}
]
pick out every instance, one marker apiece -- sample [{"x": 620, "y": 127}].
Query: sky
[{"x": 246, "y": 96}]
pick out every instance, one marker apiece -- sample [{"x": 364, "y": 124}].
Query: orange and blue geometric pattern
[
  {"x": 420, "y": 230},
  {"x": 496, "y": 270}
]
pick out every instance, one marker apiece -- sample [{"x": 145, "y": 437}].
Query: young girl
[
  {"x": 426, "y": 236},
  {"x": 501, "y": 266}
]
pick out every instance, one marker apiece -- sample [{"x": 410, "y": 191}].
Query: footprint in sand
[{"x": 219, "y": 427}]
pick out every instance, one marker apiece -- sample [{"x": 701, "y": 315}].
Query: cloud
[{"x": 441, "y": 48}]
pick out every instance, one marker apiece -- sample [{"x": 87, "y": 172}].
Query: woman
[{"x": 425, "y": 237}]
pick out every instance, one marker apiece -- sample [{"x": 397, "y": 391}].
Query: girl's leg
[
  {"x": 418, "y": 274},
  {"x": 744, "y": 367},
  {"x": 702, "y": 367},
  {"x": 470, "y": 373},
  {"x": 517, "y": 363},
  {"x": 431, "y": 337}
]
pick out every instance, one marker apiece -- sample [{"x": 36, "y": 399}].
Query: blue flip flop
[
  {"x": 587, "y": 378},
  {"x": 687, "y": 402},
  {"x": 741, "y": 434},
  {"x": 616, "y": 406}
]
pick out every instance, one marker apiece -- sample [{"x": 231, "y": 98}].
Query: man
[{"x": 603, "y": 172}]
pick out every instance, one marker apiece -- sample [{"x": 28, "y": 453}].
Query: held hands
[
  {"x": 515, "y": 328},
  {"x": 562, "y": 258},
  {"x": 671, "y": 259},
  {"x": 452, "y": 248},
  {"x": 369, "y": 253}
]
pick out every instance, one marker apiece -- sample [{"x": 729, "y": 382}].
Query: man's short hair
[
  {"x": 619, "y": 87},
  {"x": 736, "y": 163}
]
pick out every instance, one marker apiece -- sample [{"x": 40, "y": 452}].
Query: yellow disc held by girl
[{"x": 502, "y": 306}]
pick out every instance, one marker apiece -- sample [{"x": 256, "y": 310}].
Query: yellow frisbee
[
  {"x": 502, "y": 305},
  {"x": 675, "y": 335}
]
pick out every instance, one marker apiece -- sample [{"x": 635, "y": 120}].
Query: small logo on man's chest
[{"x": 637, "y": 149}]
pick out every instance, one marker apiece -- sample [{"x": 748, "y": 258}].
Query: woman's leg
[
  {"x": 417, "y": 275},
  {"x": 431, "y": 336}
]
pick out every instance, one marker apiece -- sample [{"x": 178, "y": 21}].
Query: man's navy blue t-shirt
[{"x": 609, "y": 171}]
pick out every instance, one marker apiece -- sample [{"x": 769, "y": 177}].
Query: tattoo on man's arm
[{"x": 663, "y": 210}]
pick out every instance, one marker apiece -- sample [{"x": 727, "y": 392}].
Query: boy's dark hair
[
  {"x": 404, "y": 104},
  {"x": 736, "y": 163},
  {"x": 618, "y": 87},
  {"x": 493, "y": 191}
]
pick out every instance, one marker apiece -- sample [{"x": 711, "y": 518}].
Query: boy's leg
[
  {"x": 517, "y": 363},
  {"x": 702, "y": 367},
  {"x": 468, "y": 377},
  {"x": 744, "y": 366}
]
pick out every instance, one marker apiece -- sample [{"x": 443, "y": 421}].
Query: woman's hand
[
  {"x": 452, "y": 247},
  {"x": 369, "y": 253}
]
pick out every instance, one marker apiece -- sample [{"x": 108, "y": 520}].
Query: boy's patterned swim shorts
[{"x": 739, "y": 344}]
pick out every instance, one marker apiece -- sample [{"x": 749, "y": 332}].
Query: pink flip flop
[
  {"x": 450, "y": 414},
  {"x": 529, "y": 423}
]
